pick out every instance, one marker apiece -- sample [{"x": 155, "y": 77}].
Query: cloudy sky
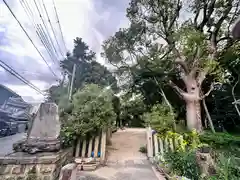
[{"x": 93, "y": 20}]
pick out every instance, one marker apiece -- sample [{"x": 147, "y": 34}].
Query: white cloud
[{"x": 78, "y": 18}]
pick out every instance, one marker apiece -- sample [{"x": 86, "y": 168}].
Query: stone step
[{"x": 128, "y": 163}]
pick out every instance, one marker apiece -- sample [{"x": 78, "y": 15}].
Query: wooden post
[
  {"x": 103, "y": 146},
  {"x": 149, "y": 143},
  {"x": 78, "y": 148},
  {"x": 90, "y": 147},
  {"x": 96, "y": 146},
  {"x": 171, "y": 144},
  {"x": 84, "y": 148},
  {"x": 166, "y": 144},
  {"x": 155, "y": 139},
  {"x": 161, "y": 146},
  {"x": 108, "y": 140}
]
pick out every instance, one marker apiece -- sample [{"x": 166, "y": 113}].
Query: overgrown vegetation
[
  {"x": 159, "y": 118},
  {"x": 92, "y": 112},
  {"x": 180, "y": 76},
  {"x": 183, "y": 163}
]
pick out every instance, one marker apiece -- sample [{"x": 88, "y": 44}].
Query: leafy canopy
[{"x": 92, "y": 111}]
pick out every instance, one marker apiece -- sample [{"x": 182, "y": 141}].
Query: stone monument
[{"x": 44, "y": 132}]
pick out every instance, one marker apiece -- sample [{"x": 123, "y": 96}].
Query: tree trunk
[
  {"x": 193, "y": 105},
  {"x": 193, "y": 115},
  {"x": 192, "y": 97}
]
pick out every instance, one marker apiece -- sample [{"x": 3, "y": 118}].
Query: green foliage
[
  {"x": 227, "y": 168},
  {"x": 132, "y": 110},
  {"x": 160, "y": 118},
  {"x": 92, "y": 111},
  {"x": 56, "y": 92},
  {"x": 220, "y": 140},
  {"x": 183, "y": 163},
  {"x": 143, "y": 149},
  {"x": 116, "y": 104},
  {"x": 88, "y": 70}
]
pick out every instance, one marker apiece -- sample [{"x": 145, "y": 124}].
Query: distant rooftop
[{"x": 5, "y": 87}]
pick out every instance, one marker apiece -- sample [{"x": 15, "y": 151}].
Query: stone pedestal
[
  {"x": 41, "y": 166},
  {"x": 44, "y": 132}
]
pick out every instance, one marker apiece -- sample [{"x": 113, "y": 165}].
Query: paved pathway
[
  {"x": 7, "y": 142},
  {"x": 124, "y": 161}
]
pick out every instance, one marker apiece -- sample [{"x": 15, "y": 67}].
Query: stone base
[
  {"x": 33, "y": 146},
  {"x": 41, "y": 166}
]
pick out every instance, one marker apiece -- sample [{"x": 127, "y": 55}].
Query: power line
[
  {"x": 45, "y": 9},
  {"x": 45, "y": 26},
  {"x": 18, "y": 76},
  {"x": 29, "y": 38},
  {"x": 40, "y": 35},
  {"x": 58, "y": 21},
  {"x": 44, "y": 40}
]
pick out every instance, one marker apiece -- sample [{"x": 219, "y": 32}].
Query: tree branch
[
  {"x": 183, "y": 65},
  {"x": 218, "y": 25},
  {"x": 207, "y": 94},
  {"x": 184, "y": 95},
  {"x": 178, "y": 89},
  {"x": 234, "y": 98},
  {"x": 177, "y": 10},
  {"x": 208, "y": 9}
]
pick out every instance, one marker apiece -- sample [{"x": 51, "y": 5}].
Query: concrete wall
[{"x": 43, "y": 166}]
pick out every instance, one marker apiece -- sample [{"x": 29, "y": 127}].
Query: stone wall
[{"x": 43, "y": 166}]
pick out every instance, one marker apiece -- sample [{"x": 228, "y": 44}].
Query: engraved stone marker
[{"x": 44, "y": 132}]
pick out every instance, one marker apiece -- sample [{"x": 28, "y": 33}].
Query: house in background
[
  {"x": 13, "y": 109},
  {"x": 6, "y": 93},
  {"x": 18, "y": 108}
]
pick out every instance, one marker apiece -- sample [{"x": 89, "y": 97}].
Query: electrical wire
[
  {"x": 40, "y": 34},
  {"x": 18, "y": 76},
  {"x": 45, "y": 26},
  {"x": 29, "y": 38},
  {"x": 58, "y": 21},
  {"x": 45, "y": 9}
]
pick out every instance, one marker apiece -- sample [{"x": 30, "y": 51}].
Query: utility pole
[{"x": 72, "y": 81}]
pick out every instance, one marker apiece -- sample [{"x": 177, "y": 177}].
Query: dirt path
[
  {"x": 126, "y": 144},
  {"x": 124, "y": 161}
]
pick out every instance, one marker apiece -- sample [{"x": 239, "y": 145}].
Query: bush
[
  {"x": 220, "y": 140},
  {"x": 227, "y": 168},
  {"x": 183, "y": 164},
  {"x": 160, "y": 118},
  {"x": 92, "y": 111}
]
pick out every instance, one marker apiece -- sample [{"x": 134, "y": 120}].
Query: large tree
[
  {"x": 88, "y": 71},
  {"x": 184, "y": 53}
]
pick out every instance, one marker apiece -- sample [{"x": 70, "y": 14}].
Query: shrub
[
  {"x": 227, "y": 168},
  {"x": 220, "y": 140},
  {"x": 160, "y": 118},
  {"x": 183, "y": 164},
  {"x": 92, "y": 111}
]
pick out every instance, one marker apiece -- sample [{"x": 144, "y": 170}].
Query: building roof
[
  {"x": 2, "y": 86},
  {"x": 17, "y": 102}
]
